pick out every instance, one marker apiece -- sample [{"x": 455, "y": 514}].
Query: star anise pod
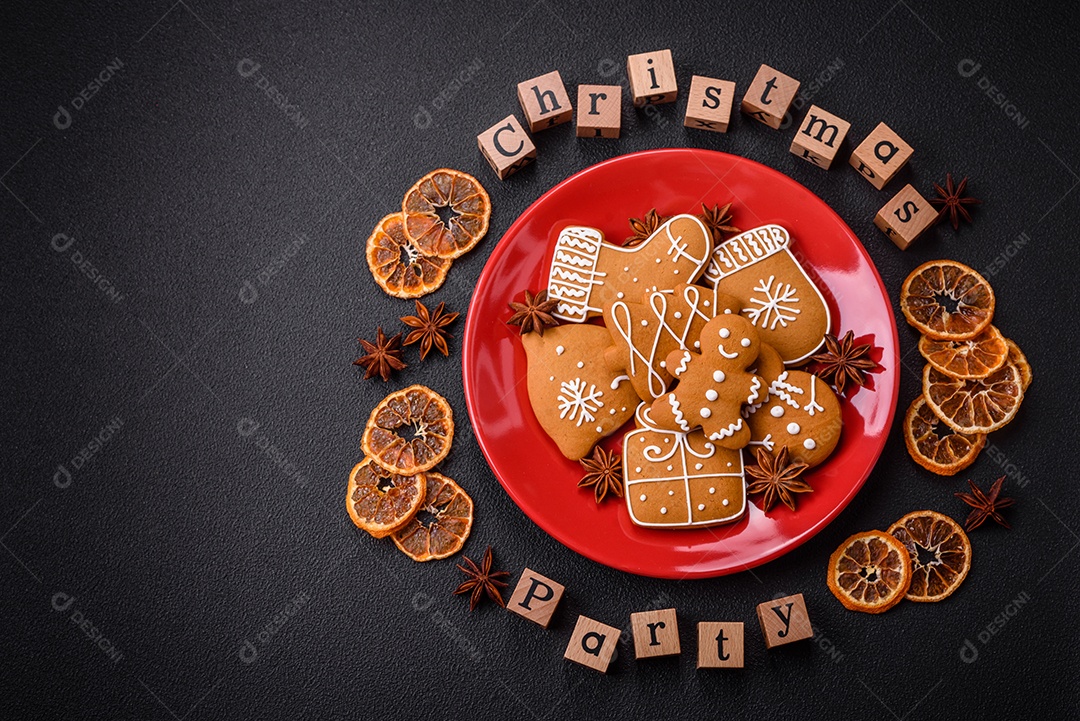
[
  {"x": 481, "y": 580},
  {"x": 603, "y": 472},
  {"x": 534, "y": 314},
  {"x": 776, "y": 478},
  {"x": 843, "y": 361},
  {"x": 717, "y": 220},
  {"x": 429, "y": 327},
  {"x": 951, "y": 200},
  {"x": 985, "y": 505},
  {"x": 383, "y": 356},
  {"x": 643, "y": 228}
]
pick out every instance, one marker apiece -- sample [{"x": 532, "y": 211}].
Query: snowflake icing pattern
[
  {"x": 577, "y": 404},
  {"x": 776, "y": 305}
]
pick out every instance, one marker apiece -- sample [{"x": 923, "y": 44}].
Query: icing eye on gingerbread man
[{"x": 714, "y": 384}]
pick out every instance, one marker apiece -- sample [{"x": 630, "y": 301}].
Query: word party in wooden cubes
[
  {"x": 819, "y": 137},
  {"x": 656, "y": 633},
  {"x": 599, "y": 112},
  {"x": 905, "y": 217},
  {"x": 784, "y": 621},
  {"x": 652, "y": 78},
  {"x": 769, "y": 96},
  {"x": 535, "y": 597},
  {"x": 709, "y": 103},
  {"x": 506, "y": 146},
  {"x": 544, "y": 101},
  {"x": 592, "y": 644},
  {"x": 880, "y": 156},
  {"x": 720, "y": 644}
]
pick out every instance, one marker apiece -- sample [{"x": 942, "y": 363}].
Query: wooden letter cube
[
  {"x": 720, "y": 644},
  {"x": 770, "y": 96},
  {"x": 506, "y": 146},
  {"x": 708, "y": 106},
  {"x": 880, "y": 156},
  {"x": 652, "y": 78},
  {"x": 819, "y": 137},
  {"x": 599, "y": 111},
  {"x": 592, "y": 644},
  {"x": 784, "y": 620},
  {"x": 545, "y": 101},
  {"x": 656, "y": 633},
  {"x": 535, "y": 597},
  {"x": 905, "y": 217}
]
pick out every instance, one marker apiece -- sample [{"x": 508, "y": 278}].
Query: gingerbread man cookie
[
  {"x": 714, "y": 384},
  {"x": 588, "y": 274},
  {"x": 644, "y": 333},
  {"x": 800, "y": 412}
]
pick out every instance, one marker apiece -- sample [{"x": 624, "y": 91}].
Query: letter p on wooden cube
[
  {"x": 652, "y": 78},
  {"x": 507, "y": 147},
  {"x": 784, "y": 620},
  {"x": 544, "y": 101},
  {"x": 535, "y": 597}
]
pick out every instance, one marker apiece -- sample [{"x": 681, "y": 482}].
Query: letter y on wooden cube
[{"x": 784, "y": 620}]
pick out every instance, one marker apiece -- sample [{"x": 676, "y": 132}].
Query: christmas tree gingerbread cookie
[
  {"x": 645, "y": 332},
  {"x": 588, "y": 274},
  {"x": 714, "y": 384},
  {"x": 779, "y": 298}
]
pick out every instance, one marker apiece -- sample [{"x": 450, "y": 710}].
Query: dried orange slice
[
  {"x": 974, "y": 406},
  {"x": 381, "y": 502},
  {"x": 976, "y": 357},
  {"x": 409, "y": 431},
  {"x": 446, "y": 190},
  {"x": 442, "y": 524},
  {"x": 935, "y": 446},
  {"x": 940, "y": 552},
  {"x": 947, "y": 300},
  {"x": 870, "y": 572},
  {"x": 1017, "y": 358},
  {"x": 398, "y": 267}
]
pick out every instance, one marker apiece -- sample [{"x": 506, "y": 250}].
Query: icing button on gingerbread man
[{"x": 714, "y": 384}]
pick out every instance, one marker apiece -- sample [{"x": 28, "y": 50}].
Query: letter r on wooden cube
[
  {"x": 592, "y": 644},
  {"x": 507, "y": 147},
  {"x": 880, "y": 156},
  {"x": 784, "y": 621},
  {"x": 905, "y": 217},
  {"x": 535, "y": 597},
  {"x": 652, "y": 78},
  {"x": 708, "y": 106},
  {"x": 599, "y": 111},
  {"x": 819, "y": 137},
  {"x": 656, "y": 633},
  {"x": 544, "y": 101},
  {"x": 769, "y": 96}
]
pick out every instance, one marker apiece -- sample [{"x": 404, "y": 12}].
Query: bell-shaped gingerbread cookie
[
  {"x": 777, "y": 295},
  {"x": 575, "y": 396},
  {"x": 800, "y": 412},
  {"x": 680, "y": 480},
  {"x": 588, "y": 274},
  {"x": 644, "y": 332}
]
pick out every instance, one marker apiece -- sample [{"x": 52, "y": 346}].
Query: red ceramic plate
[{"x": 528, "y": 464}]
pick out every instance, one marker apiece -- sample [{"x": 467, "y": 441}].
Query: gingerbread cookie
[
  {"x": 645, "y": 332},
  {"x": 785, "y": 306},
  {"x": 588, "y": 274},
  {"x": 800, "y": 412},
  {"x": 575, "y": 396},
  {"x": 675, "y": 479},
  {"x": 714, "y": 384}
]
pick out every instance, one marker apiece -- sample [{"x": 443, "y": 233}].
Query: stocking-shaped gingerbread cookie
[
  {"x": 575, "y": 396},
  {"x": 714, "y": 384},
  {"x": 800, "y": 412},
  {"x": 588, "y": 274},
  {"x": 645, "y": 332},
  {"x": 785, "y": 306}
]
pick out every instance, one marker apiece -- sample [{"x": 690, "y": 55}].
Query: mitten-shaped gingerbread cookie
[
  {"x": 575, "y": 396},
  {"x": 800, "y": 412},
  {"x": 714, "y": 384},
  {"x": 587, "y": 274},
  {"x": 779, "y": 298},
  {"x": 645, "y": 332}
]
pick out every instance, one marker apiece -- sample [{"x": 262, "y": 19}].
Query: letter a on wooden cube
[
  {"x": 880, "y": 156},
  {"x": 720, "y": 644},
  {"x": 545, "y": 101},
  {"x": 784, "y": 620},
  {"x": 905, "y": 217},
  {"x": 652, "y": 78},
  {"x": 592, "y": 644},
  {"x": 507, "y": 147},
  {"x": 708, "y": 106},
  {"x": 819, "y": 137},
  {"x": 656, "y": 633},
  {"x": 599, "y": 111},
  {"x": 770, "y": 96},
  {"x": 535, "y": 597}
]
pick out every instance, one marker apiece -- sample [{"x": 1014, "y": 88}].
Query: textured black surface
[{"x": 222, "y": 568}]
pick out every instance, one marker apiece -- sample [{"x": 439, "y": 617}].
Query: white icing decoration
[
  {"x": 551, "y": 378},
  {"x": 701, "y": 507},
  {"x": 677, "y": 315},
  {"x": 727, "y": 432},
  {"x": 777, "y": 411},
  {"x": 615, "y": 384},
  {"x": 705, "y": 413},
  {"x": 725, "y": 353},
  {"x": 755, "y": 386},
  {"x": 783, "y": 390},
  {"x": 778, "y": 304},
  {"x": 559, "y": 350},
  {"x": 612, "y": 411},
  {"x": 711, "y": 395},
  {"x": 766, "y": 442},
  {"x": 697, "y": 344},
  {"x": 663, "y": 511},
  {"x": 579, "y": 404},
  {"x": 643, "y": 497},
  {"x": 793, "y": 428},
  {"x": 813, "y": 407},
  {"x": 809, "y": 444},
  {"x": 663, "y": 364},
  {"x": 638, "y": 469},
  {"x": 718, "y": 376},
  {"x": 683, "y": 363},
  {"x": 644, "y": 323},
  {"x": 658, "y": 260},
  {"x": 674, "y": 403},
  {"x": 712, "y": 490},
  {"x": 725, "y": 501},
  {"x": 725, "y": 333},
  {"x": 620, "y": 295},
  {"x": 670, "y": 493},
  {"x": 745, "y": 342},
  {"x": 697, "y": 466}
]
